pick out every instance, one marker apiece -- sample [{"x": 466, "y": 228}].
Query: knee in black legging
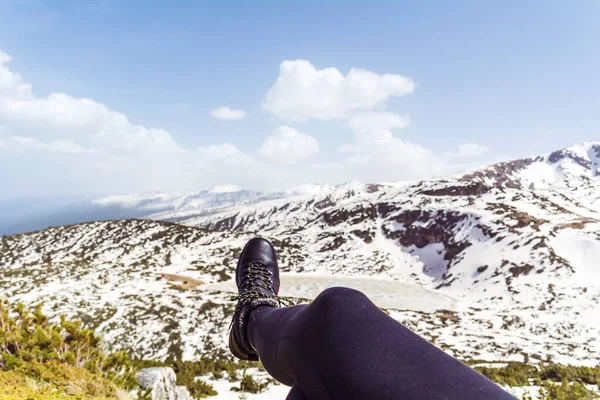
[{"x": 339, "y": 300}]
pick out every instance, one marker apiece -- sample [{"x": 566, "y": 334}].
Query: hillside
[{"x": 494, "y": 264}]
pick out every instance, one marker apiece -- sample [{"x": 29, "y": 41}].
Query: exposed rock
[
  {"x": 325, "y": 203},
  {"x": 354, "y": 216},
  {"x": 448, "y": 316},
  {"x": 366, "y": 236},
  {"x": 182, "y": 393},
  {"x": 336, "y": 243},
  {"x": 561, "y": 154},
  {"x": 429, "y": 227},
  {"x": 474, "y": 189},
  {"x": 372, "y": 188},
  {"x": 501, "y": 174},
  {"x": 284, "y": 207},
  {"x": 225, "y": 224},
  {"x": 385, "y": 209},
  {"x": 522, "y": 219},
  {"x": 518, "y": 270},
  {"x": 578, "y": 224},
  {"x": 162, "y": 381}
]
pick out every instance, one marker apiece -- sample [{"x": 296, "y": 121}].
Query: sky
[{"x": 102, "y": 97}]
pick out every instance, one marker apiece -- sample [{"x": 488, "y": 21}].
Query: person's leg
[
  {"x": 342, "y": 346},
  {"x": 266, "y": 327},
  {"x": 295, "y": 394}
]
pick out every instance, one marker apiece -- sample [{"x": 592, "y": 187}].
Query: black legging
[{"x": 342, "y": 346}]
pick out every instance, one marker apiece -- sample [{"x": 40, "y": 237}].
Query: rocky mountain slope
[{"x": 509, "y": 253}]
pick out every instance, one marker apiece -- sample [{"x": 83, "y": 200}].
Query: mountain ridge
[
  {"x": 180, "y": 206},
  {"x": 514, "y": 266}
]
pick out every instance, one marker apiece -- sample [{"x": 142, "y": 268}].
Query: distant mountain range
[
  {"x": 30, "y": 214},
  {"x": 545, "y": 172}
]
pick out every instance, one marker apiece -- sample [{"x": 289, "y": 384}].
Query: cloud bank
[
  {"x": 287, "y": 145},
  {"x": 61, "y": 145}
]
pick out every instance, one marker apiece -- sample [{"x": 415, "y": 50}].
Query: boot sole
[
  {"x": 235, "y": 350},
  {"x": 239, "y": 353}
]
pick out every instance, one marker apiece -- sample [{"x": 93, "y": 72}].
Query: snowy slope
[
  {"x": 178, "y": 203},
  {"x": 492, "y": 264},
  {"x": 573, "y": 172}
]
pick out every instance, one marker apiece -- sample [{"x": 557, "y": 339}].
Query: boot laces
[{"x": 257, "y": 283}]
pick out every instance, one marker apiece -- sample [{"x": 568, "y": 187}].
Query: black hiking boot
[{"x": 257, "y": 278}]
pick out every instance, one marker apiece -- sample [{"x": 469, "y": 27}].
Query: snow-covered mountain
[
  {"x": 23, "y": 215},
  {"x": 497, "y": 263},
  {"x": 180, "y": 204},
  {"x": 573, "y": 172}
]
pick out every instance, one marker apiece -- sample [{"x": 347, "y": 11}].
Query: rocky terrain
[{"x": 509, "y": 253}]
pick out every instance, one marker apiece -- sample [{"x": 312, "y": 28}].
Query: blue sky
[{"x": 506, "y": 79}]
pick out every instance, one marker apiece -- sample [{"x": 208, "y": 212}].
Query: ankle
[{"x": 253, "y": 322}]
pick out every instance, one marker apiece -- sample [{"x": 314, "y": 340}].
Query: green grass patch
[{"x": 556, "y": 382}]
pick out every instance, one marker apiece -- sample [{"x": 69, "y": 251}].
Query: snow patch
[
  {"x": 581, "y": 251},
  {"x": 225, "y": 189}
]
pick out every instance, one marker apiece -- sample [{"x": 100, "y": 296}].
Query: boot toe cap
[{"x": 258, "y": 250}]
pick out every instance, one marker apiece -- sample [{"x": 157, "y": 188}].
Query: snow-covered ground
[
  {"x": 224, "y": 388},
  {"x": 385, "y": 293},
  {"x": 497, "y": 264}
]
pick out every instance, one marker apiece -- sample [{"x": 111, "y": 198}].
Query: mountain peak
[
  {"x": 356, "y": 185},
  {"x": 310, "y": 188},
  {"x": 225, "y": 189},
  {"x": 560, "y": 168},
  {"x": 586, "y": 155}
]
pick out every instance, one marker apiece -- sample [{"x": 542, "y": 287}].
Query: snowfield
[
  {"x": 385, "y": 293},
  {"x": 497, "y": 264}
]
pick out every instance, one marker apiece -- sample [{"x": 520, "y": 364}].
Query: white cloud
[
  {"x": 468, "y": 150},
  {"x": 58, "y": 144},
  {"x": 11, "y": 83},
  {"x": 4, "y": 58},
  {"x": 109, "y": 153},
  {"x": 228, "y": 113},
  {"x": 67, "y": 118},
  {"x": 375, "y": 143},
  {"x": 382, "y": 147},
  {"x": 227, "y": 155},
  {"x": 302, "y": 92},
  {"x": 22, "y": 143},
  {"x": 376, "y": 154},
  {"x": 286, "y": 145},
  {"x": 219, "y": 151}
]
